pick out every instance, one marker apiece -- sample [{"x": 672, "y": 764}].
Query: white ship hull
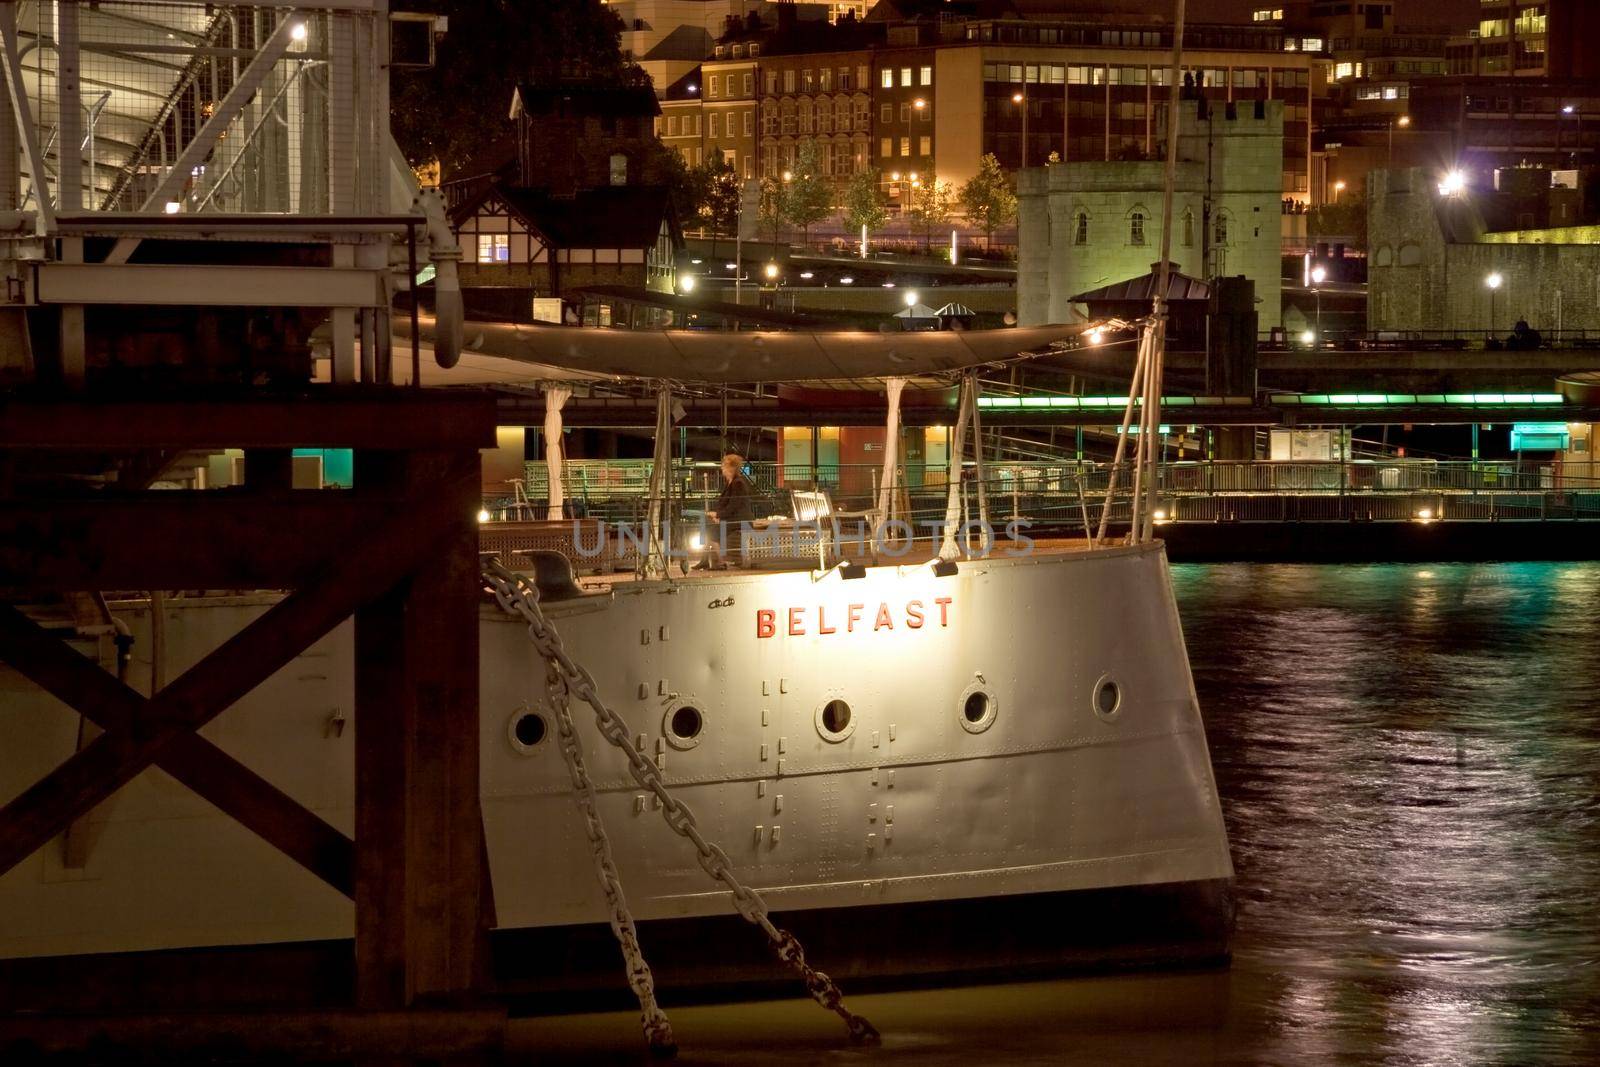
[{"x": 915, "y": 807}]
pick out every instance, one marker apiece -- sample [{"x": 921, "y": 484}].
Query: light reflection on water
[{"x": 1409, "y": 761}]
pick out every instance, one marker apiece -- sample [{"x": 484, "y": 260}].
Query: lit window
[
  {"x": 927, "y": 76},
  {"x": 888, "y": 78},
  {"x": 886, "y": 147},
  {"x": 925, "y": 146},
  {"x": 905, "y": 146},
  {"x": 494, "y": 248},
  {"x": 905, "y": 75}
]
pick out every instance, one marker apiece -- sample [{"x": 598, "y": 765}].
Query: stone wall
[
  {"x": 1085, "y": 225},
  {"x": 1428, "y": 274}
]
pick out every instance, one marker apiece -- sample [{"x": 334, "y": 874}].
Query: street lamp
[
  {"x": 1454, "y": 183},
  {"x": 911, "y": 298},
  {"x": 1022, "y": 99},
  {"x": 1494, "y": 281},
  {"x": 1568, "y": 109},
  {"x": 1403, "y": 121},
  {"x": 771, "y": 272},
  {"x": 1338, "y": 187},
  {"x": 1318, "y": 276},
  {"x": 686, "y": 283}
]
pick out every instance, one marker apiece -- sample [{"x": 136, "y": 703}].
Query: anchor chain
[
  {"x": 657, "y": 1028},
  {"x": 517, "y": 595}
]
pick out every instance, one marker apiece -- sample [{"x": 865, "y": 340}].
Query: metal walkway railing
[{"x": 1056, "y": 494}]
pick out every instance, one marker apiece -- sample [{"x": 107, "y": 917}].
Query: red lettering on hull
[{"x": 913, "y": 615}]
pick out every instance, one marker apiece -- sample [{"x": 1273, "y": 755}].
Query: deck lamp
[
  {"x": 911, "y": 298},
  {"x": 943, "y": 568},
  {"x": 849, "y": 570}
]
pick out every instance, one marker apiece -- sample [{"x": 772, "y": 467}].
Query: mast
[{"x": 1151, "y": 415}]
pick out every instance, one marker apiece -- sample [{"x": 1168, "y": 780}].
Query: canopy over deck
[{"x": 726, "y": 358}]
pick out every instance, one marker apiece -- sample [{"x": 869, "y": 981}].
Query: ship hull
[
  {"x": 552, "y": 969},
  {"x": 1002, "y": 769}
]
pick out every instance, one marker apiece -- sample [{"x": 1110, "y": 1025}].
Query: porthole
[
  {"x": 526, "y": 730},
  {"x": 1106, "y": 699},
  {"x": 977, "y": 708},
  {"x": 835, "y": 720},
  {"x": 682, "y": 725}
]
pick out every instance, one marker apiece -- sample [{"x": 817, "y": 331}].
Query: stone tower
[{"x": 1086, "y": 225}]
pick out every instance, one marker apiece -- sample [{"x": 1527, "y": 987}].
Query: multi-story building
[
  {"x": 931, "y": 97},
  {"x": 903, "y": 109},
  {"x": 1493, "y": 123},
  {"x": 1086, "y": 224},
  {"x": 730, "y": 81},
  {"x": 1089, "y": 90},
  {"x": 825, "y": 97},
  {"x": 669, "y": 38},
  {"x": 1528, "y": 39},
  {"x": 681, "y": 125}
]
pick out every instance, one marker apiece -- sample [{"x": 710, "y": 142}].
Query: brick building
[{"x": 551, "y": 119}]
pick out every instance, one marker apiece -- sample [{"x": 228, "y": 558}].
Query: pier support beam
[
  {"x": 420, "y": 924},
  {"x": 399, "y": 553}
]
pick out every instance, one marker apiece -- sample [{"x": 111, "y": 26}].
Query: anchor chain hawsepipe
[{"x": 517, "y": 595}]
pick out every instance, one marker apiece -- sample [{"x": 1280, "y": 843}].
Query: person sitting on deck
[{"x": 733, "y": 508}]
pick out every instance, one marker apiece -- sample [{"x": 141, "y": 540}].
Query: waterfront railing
[{"x": 1051, "y": 493}]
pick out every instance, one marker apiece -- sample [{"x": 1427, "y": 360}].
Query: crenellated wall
[{"x": 1086, "y": 225}]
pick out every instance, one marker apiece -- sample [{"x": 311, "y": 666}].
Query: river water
[{"x": 1409, "y": 763}]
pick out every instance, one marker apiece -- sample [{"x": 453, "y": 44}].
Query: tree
[
  {"x": 774, "y": 204},
  {"x": 719, "y": 207},
  {"x": 931, "y": 207},
  {"x": 865, "y": 206},
  {"x": 456, "y": 111},
  {"x": 987, "y": 198},
  {"x": 1345, "y": 221},
  {"x": 661, "y": 165},
  {"x": 809, "y": 199}
]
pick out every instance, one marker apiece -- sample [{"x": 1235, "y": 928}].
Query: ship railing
[{"x": 1057, "y": 494}]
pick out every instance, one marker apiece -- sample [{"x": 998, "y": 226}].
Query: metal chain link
[
  {"x": 657, "y": 1028},
  {"x": 517, "y": 595}
]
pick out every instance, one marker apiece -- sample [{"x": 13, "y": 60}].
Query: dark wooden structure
[{"x": 399, "y": 553}]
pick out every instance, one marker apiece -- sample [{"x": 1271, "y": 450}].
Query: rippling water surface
[{"x": 1409, "y": 761}]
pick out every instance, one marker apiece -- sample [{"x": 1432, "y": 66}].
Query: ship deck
[{"x": 684, "y": 571}]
